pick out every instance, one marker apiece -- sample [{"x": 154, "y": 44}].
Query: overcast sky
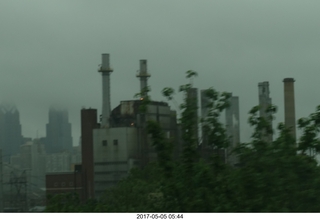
[{"x": 50, "y": 52}]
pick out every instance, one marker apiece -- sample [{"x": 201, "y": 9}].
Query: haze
[{"x": 50, "y": 52}]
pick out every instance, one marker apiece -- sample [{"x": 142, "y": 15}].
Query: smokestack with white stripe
[
  {"x": 143, "y": 74},
  {"x": 106, "y": 106}
]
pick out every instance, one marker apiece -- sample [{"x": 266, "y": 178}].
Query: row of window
[
  {"x": 63, "y": 184},
  {"x": 105, "y": 142}
]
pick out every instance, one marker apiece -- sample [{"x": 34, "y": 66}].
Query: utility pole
[{"x": 18, "y": 186}]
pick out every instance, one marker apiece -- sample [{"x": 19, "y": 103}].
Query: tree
[{"x": 271, "y": 177}]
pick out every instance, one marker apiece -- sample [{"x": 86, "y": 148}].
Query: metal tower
[
  {"x": 265, "y": 103},
  {"x": 143, "y": 75},
  {"x": 106, "y": 106},
  {"x": 18, "y": 186}
]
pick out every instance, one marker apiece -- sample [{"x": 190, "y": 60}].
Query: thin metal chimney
[
  {"x": 289, "y": 106},
  {"x": 143, "y": 74},
  {"x": 106, "y": 106},
  {"x": 232, "y": 128},
  {"x": 264, "y": 103}
]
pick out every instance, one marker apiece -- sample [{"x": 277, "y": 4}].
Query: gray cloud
[{"x": 50, "y": 51}]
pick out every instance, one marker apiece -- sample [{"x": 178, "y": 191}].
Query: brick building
[{"x": 65, "y": 182}]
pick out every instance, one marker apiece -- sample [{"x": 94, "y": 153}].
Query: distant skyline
[{"x": 50, "y": 52}]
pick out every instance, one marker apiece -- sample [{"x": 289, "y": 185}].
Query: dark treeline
[{"x": 270, "y": 177}]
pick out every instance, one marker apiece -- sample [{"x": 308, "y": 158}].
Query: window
[
  {"x": 115, "y": 142},
  {"x": 104, "y": 143},
  {"x": 63, "y": 184}
]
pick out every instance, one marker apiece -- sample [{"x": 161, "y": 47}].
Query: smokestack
[
  {"x": 192, "y": 100},
  {"x": 143, "y": 74},
  {"x": 232, "y": 128},
  {"x": 106, "y": 106},
  {"x": 204, "y": 100},
  {"x": 289, "y": 106},
  {"x": 264, "y": 103}
]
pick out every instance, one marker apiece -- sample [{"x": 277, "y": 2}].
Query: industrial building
[
  {"x": 265, "y": 103},
  {"x": 64, "y": 182},
  {"x": 118, "y": 141},
  {"x": 10, "y": 131},
  {"x": 121, "y": 141},
  {"x": 58, "y": 138}
]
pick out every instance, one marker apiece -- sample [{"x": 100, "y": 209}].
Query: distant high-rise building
[
  {"x": 10, "y": 131},
  {"x": 58, "y": 129},
  {"x": 31, "y": 157}
]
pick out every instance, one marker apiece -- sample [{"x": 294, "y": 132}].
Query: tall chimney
[
  {"x": 232, "y": 128},
  {"x": 143, "y": 75},
  {"x": 289, "y": 106},
  {"x": 106, "y": 106},
  {"x": 264, "y": 103}
]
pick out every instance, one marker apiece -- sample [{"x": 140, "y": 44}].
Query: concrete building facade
[
  {"x": 58, "y": 162},
  {"x": 64, "y": 182},
  {"x": 123, "y": 146},
  {"x": 115, "y": 151}
]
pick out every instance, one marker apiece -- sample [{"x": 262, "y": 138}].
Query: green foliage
[
  {"x": 144, "y": 98},
  {"x": 271, "y": 177},
  {"x": 68, "y": 202},
  {"x": 213, "y": 129},
  {"x": 311, "y": 129},
  {"x": 168, "y": 92}
]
